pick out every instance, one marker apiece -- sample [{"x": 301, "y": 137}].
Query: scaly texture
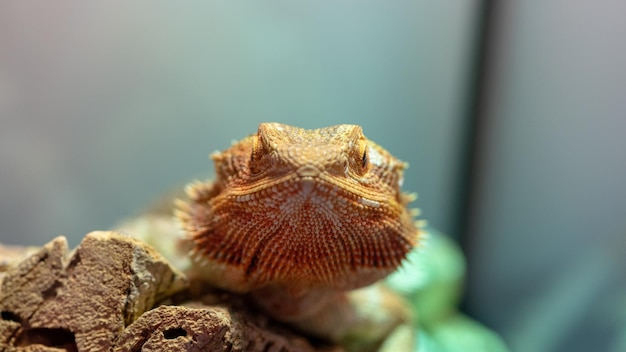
[{"x": 301, "y": 209}]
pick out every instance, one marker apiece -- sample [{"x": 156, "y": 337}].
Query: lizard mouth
[
  {"x": 308, "y": 176},
  {"x": 307, "y": 183},
  {"x": 308, "y": 171}
]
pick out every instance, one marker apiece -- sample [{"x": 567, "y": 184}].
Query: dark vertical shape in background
[{"x": 475, "y": 122}]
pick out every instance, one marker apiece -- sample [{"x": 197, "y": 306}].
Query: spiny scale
[{"x": 301, "y": 209}]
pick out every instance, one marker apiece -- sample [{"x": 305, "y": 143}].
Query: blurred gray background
[
  {"x": 105, "y": 106},
  {"x": 511, "y": 115}
]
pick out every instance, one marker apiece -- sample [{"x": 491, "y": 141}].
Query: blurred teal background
[{"x": 104, "y": 106}]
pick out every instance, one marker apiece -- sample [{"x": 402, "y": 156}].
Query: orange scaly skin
[{"x": 300, "y": 210}]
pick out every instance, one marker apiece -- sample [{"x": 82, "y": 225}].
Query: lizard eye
[
  {"x": 364, "y": 160},
  {"x": 256, "y": 156}
]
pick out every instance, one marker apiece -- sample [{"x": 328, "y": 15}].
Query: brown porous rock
[{"x": 107, "y": 295}]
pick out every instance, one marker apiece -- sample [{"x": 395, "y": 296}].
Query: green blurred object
[
  {"x": 431, "y": 278},
  {"x": 432, "y": 281},
  {"x": 459, "y": 333}
]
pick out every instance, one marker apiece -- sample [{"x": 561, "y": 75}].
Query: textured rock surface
[
  {"x": 83, "y": 300},
  {"x": 106, "y": 295},
  {"x": 205, "y": 328},
  {"x": 9, "y": 255}
]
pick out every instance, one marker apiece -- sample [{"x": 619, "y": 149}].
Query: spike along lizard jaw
[{"x": 301, "y": 210}]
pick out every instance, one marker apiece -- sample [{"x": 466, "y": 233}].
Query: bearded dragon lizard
[{"x": 295, "y": 215}]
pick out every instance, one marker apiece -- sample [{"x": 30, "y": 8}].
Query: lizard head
[{"x": 301, "y": 209}]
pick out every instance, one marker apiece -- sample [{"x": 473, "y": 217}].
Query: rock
[
  {"x": 205, "y": 328},
  {"x": 432, "y": 278},
  {"x": 82, "y": 301},
  {"x": 106, "y": 295},
  {"x": 9, "y": 255}
]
